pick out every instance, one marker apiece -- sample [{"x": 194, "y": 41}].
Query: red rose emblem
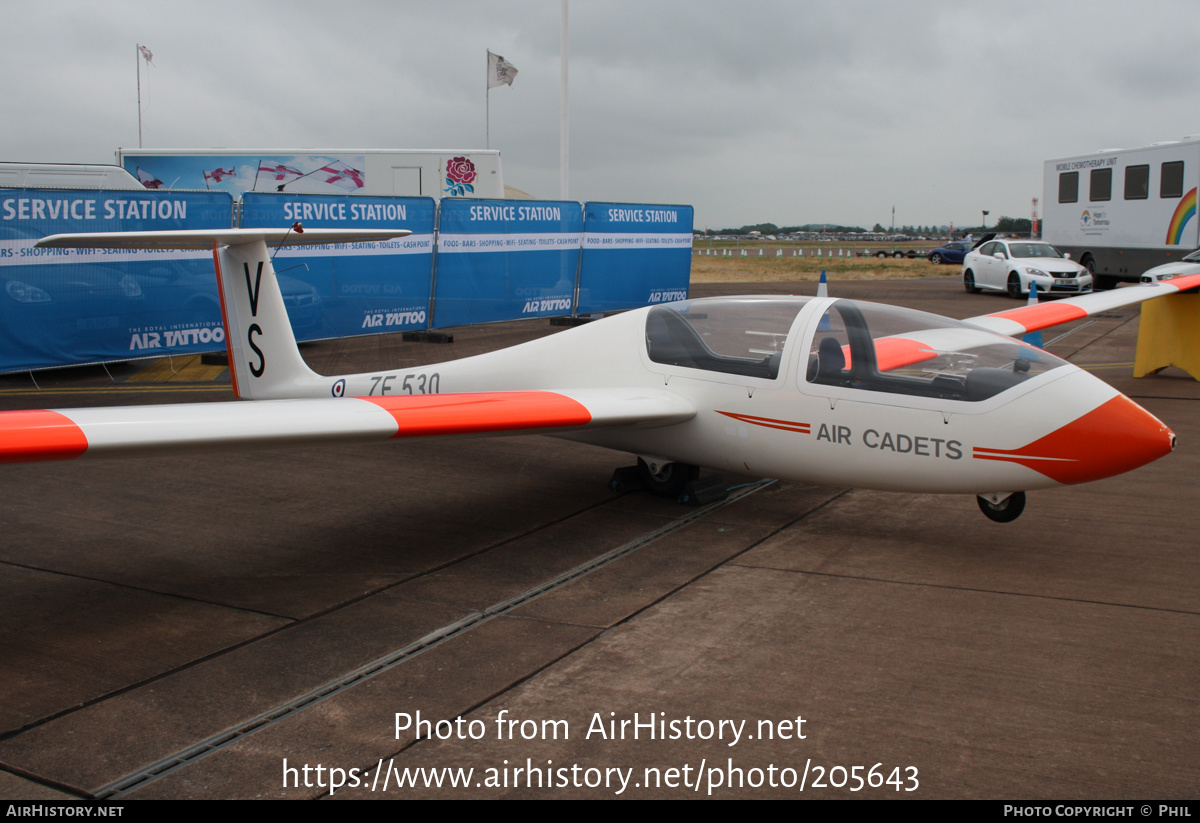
[{"x": 461, "y": 170}]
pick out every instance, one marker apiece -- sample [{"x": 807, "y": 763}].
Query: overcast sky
[{"x": 764, "y": 110}]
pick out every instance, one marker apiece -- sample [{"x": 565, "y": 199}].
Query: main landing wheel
[
  {"x": 1006, "y": 511},
  {"x": 666, "y": 479}
]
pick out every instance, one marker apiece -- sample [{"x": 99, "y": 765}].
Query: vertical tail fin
[{"x": 264, "y": 361}]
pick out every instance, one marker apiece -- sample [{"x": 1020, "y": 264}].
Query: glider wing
[
  {"x": 64, "y": 434},
  {"x": 1026, "y": 319}
]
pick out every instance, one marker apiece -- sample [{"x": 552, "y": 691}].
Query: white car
[
  {"x": 1011, "y": 265},
  {"x": 1187, "y": 265}
]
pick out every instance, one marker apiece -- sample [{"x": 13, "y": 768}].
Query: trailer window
[
  {"x": 1068, "y": 187},
  {"x": 1101, "y": 185},
  {"x": 1171, "y": 184},
  {"x": 1137, "y": 182}
]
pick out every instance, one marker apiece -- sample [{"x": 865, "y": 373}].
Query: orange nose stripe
[{"x": 1113, "y": 438}]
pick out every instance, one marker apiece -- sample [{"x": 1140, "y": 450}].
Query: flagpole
[
  {"x": 137, "y": 56},
  {"x": 564, "y": 125},
  {"x": 487, "y": 94}
]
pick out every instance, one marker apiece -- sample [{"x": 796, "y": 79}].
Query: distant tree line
[
  {"x": 1005, "y": 225},
  {"x": 771, "y": 228},
  {"x": 1020, "y": 226}
]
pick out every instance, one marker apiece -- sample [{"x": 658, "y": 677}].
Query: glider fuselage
[{"x": 1061, "y": 425}]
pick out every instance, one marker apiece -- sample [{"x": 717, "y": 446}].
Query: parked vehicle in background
[
  {"x": 1011, "y": 265},
  {"x": 949, "y": 253},
  {"x": 1168, "y": 271},
  {"x": 66, "y": 176},
  {"x": 911, "y": 254},
  {"x": 1121, "y": 211}
]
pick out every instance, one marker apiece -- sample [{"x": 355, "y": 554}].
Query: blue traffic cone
[
  {"x": 1034, "y": 338},
  {"x": 823, "y": 291}
]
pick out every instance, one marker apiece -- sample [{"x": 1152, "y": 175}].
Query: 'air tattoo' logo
[{"x": 460, "y": 174}]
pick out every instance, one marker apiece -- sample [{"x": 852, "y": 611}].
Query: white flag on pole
[
  {"x": 344, "y": 177},
  {"x": 500, "y": 71},
  {"x": 147, "y": 55}
]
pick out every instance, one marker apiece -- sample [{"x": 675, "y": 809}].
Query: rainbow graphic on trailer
[{"x": 1184, "y": 212}]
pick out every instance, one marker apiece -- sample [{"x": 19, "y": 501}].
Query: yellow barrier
[{"x": 1169, "y": 335}]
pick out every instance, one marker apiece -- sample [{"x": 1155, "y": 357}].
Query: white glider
[{"x": 820, "y": 390}]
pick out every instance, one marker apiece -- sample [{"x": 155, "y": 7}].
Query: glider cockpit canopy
[
  {"x": 741, "y": 336},
  {"x": 864, "y": 346}
]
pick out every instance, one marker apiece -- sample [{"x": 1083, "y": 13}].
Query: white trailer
[
  {"x": 1122, "y": 211},
  {"x": 65, "y": 176},
  {"x": 435, "y": 173}
]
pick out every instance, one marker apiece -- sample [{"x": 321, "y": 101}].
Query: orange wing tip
[
  {"x": 29, "y": 436},
  {"x": 1114, "y": 438},
  {"x": 1043, "y": 315},
  {"x": 422, "y": 415},
  {"x": 897, "y": 352}
]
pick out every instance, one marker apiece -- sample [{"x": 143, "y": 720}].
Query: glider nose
[{"x": 1116, "y": 437}]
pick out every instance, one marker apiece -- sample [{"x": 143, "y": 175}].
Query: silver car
[
  {"x": 1167, "y": 271},
  {"x": 1012, "y": 265}
]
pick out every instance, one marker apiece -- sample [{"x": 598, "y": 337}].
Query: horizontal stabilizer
[
  {"x": 265, "y": 363},
  {"x": 206, "y": 238}
]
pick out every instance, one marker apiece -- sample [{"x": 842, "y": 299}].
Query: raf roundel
[{"x": 339, "y": 388}]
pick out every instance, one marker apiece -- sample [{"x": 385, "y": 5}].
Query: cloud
[{"x": 769, "y": 110}]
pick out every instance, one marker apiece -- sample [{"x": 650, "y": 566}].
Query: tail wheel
[
  {"x": 1006, "y": 511},
  {"x": 969, "y": 282},
  {"x": 1014, "y": 286},
  {"x": 666, "y": 479}
]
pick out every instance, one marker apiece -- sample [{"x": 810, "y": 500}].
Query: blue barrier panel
[
  {"x": 62, "y": 307},
  {"x": 358, "y": 288},
  {"x": 634, "y": 255},
  {"x": 505, "y": 260}
]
